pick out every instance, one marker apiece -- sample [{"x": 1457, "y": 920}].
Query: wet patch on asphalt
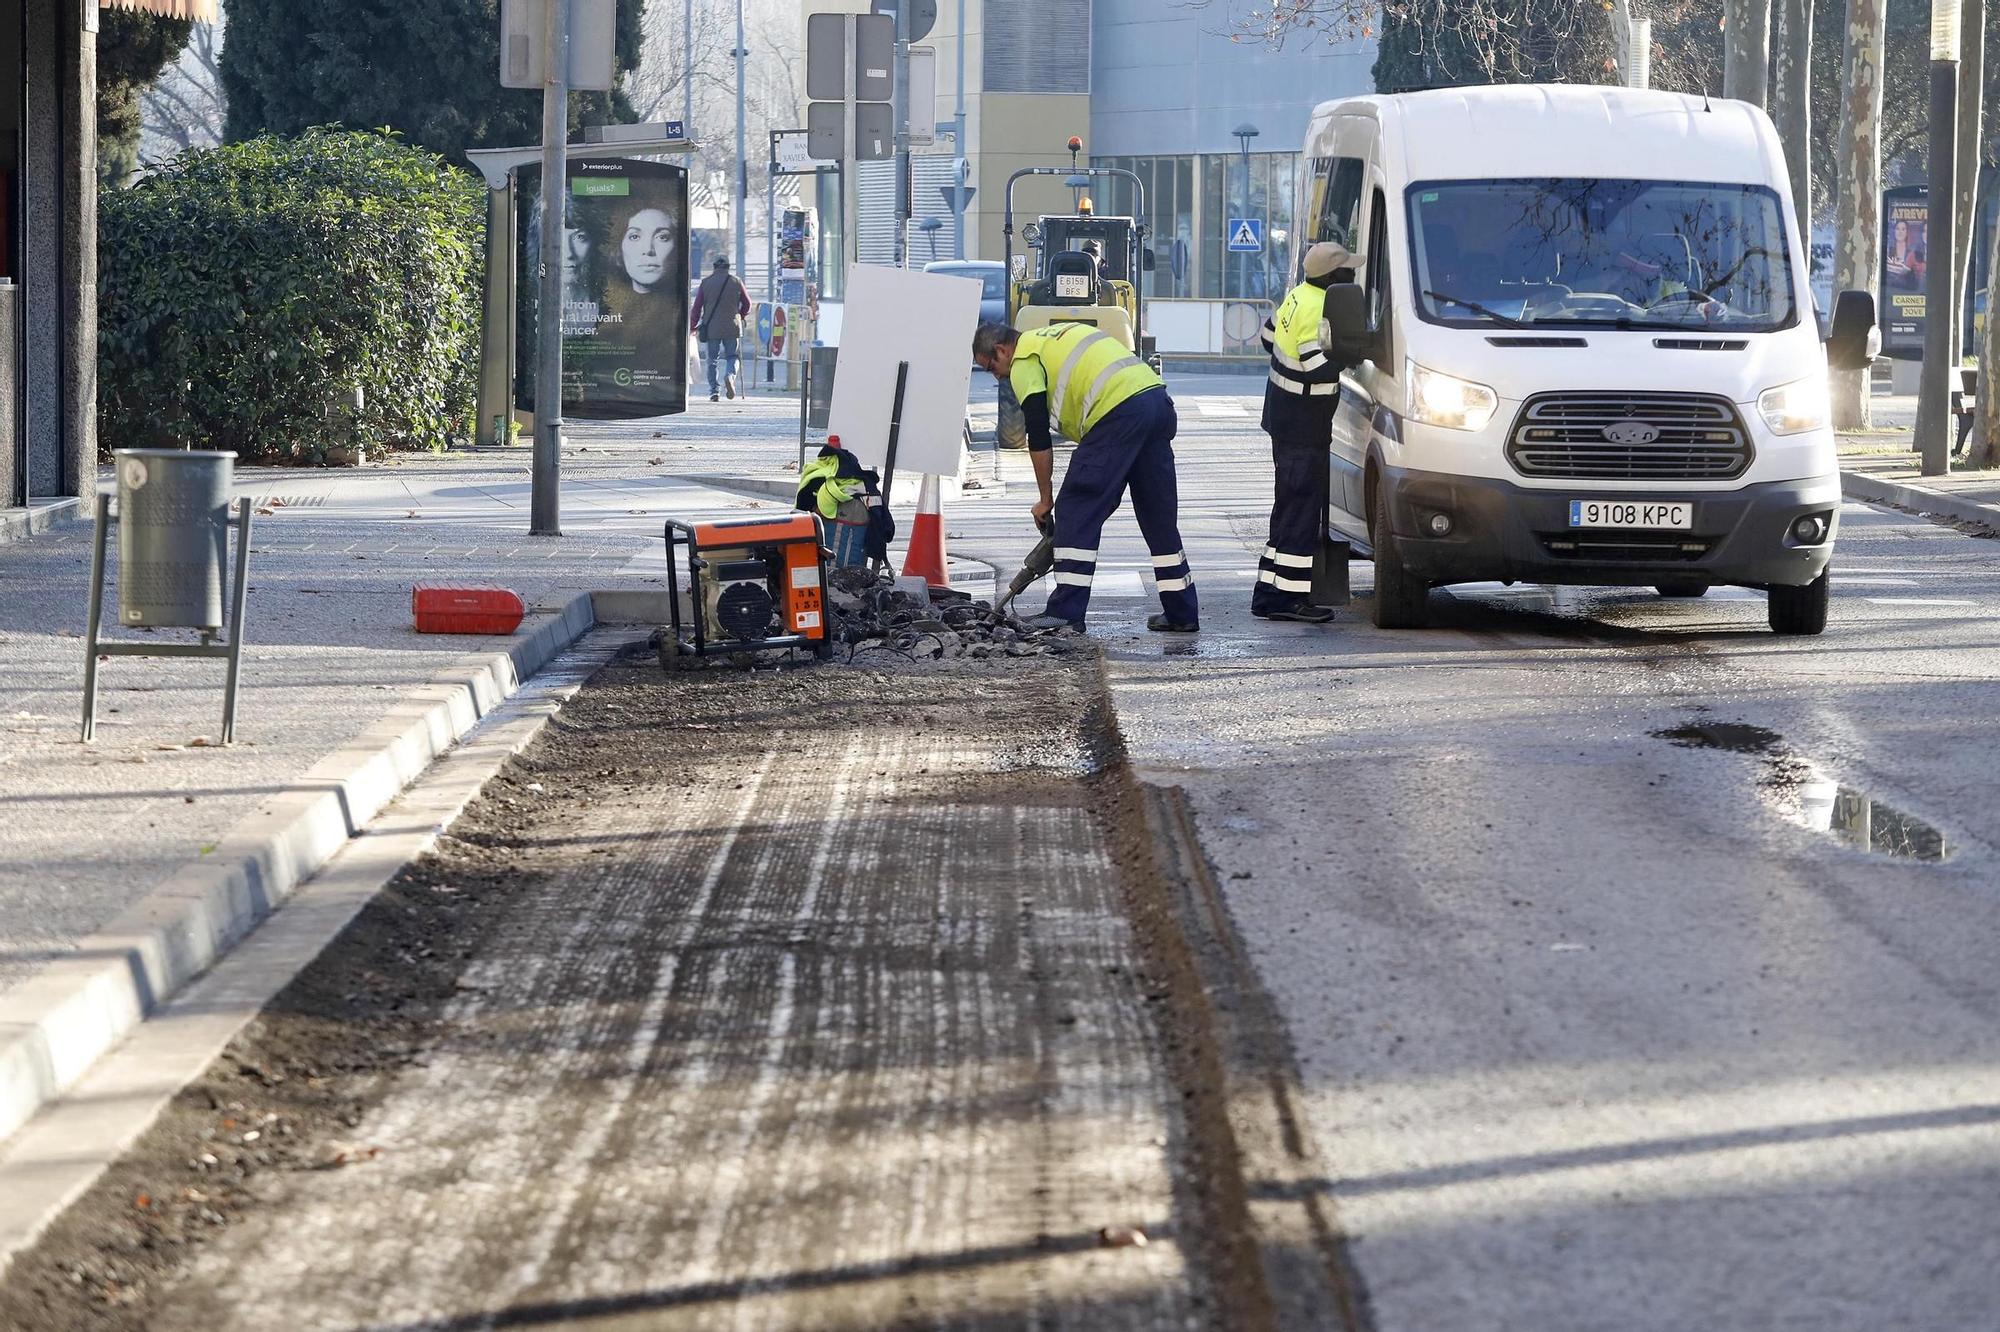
[{"x": 1804, "y": 793}]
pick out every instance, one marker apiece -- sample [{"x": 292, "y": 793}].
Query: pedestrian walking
[
  {"x": 1299, "y": 401},
  {"x": 720, "y": 307},
  {"x": 1117, "y": 410}
]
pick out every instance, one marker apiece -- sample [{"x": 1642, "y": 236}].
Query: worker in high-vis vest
[
  {"x": 1118, "y": 412},
  {"x": 1299, "y": 401}
]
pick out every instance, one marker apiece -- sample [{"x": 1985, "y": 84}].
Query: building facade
[
  {"x": 1158, "y": 89},
  {"x": 48, "y": 251}
]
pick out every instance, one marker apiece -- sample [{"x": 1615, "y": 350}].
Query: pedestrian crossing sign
[{"x": 1246, "y": 234}]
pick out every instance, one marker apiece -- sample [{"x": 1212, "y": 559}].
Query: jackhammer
[{"x": 1040, "y": 560}]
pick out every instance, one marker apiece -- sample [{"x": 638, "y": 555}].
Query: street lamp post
[
  {"x": 1940, "y": 356},
  {"x": 742, "y": 148},
  {"x": 1244, "y": 133}
]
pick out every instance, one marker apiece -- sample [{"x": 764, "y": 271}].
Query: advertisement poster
[
  {"x": 625, "y": 290},
  {"x": 1905, "y": 221}
]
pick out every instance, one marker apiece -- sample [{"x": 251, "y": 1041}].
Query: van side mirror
[
  {"x": 1346, "y": 316},
  {"x": 1855, "y": 340}
]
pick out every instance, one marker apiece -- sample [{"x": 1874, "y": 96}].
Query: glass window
[
  {"x": 1633, "y": 253},
  {"x": 1340, "y": 202},
  {"x": 1169, "y": 185},
  {"x": 1266, "y": 196}
]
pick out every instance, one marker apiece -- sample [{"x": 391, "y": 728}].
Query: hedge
[{"x": 245, "y": 288}]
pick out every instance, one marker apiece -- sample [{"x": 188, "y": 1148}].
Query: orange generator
[{"x": 753, "y": 585}]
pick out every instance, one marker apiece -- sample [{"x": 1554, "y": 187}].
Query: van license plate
[{"x": 1671, "y": 517}]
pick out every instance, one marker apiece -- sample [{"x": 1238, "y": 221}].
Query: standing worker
[
  {"x": 717, "y": 320},
  {"x": 1118, "y": 412},
  {"x": 1299, "y": 402}
]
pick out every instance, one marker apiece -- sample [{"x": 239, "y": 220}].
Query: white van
[{"x": 1583, "y": 346}]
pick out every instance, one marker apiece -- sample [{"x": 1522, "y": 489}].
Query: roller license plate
[
  {"x": 1072, "y": 286},
  {"x": 1671, "y": 516}
]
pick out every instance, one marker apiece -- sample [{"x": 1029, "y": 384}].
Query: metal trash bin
[
  {"x": 173, "y": 536},
  {"x": 819, "y": 385}
]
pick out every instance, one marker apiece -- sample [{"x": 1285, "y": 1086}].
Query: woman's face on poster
[
  {"x": 576, "y": 250},
  {"x": 647, "y": 246}
]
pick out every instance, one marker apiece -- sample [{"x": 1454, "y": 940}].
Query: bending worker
[
  {"x": 1299, "y": 401},
  {"x": 1118, "y": 412}
]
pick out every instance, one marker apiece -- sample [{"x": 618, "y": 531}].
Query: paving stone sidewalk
[{"x": 87, "y": 830}]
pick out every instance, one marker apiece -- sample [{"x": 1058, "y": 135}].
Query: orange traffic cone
[{"x": 926, "y": 553}]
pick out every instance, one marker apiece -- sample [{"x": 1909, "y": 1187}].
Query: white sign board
[
  {"x": 893, "y": 315},
  {"x": 922, "y": 95},
  {"x": 790, "y": 155}
]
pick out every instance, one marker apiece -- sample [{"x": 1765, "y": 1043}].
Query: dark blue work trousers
[{"x": 1133, "y": 446}]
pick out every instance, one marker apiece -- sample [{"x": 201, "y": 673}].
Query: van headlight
[
  {"x": 1445, "y": 400},
  {"x": 1794, "y": 408}
]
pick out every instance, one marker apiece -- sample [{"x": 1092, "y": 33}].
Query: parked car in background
[{"x": 991, "y": 275}]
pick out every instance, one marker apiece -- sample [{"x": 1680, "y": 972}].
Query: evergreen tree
[
  {"x": 429, "y": 69},
  {"x": 132, "y": 49}
]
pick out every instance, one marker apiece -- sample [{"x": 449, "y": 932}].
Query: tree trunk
[
  {"x": 1971, "y": 76},
  {"x": 1857, "y": 243},
  {"x": 1746, "y": 51},
  {"x": 1984, "y": 447},
  {"x": 1792, "y": 101}
]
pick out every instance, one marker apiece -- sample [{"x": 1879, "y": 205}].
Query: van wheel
[
  {"x": 1402, "y": 601},
  {"x": 1012, "y": 431},
  {"x": 1801, "y": 610},
  {"x": 1682, "y": 587}
]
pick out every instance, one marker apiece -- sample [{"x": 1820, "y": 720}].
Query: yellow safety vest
[
  {"x": 1298, "y": 355},
  {"x": 835, "y": 492},
  {"x": 1085, "y": 372}
]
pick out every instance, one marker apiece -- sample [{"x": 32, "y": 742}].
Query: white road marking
[
  {"x": 1918, "y": 601},
  {"x": 1872, "y": 580},
  {"x": 1220, "y": 407}
]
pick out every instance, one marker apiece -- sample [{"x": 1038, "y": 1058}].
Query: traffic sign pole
[{"x": 545, "y": 487}]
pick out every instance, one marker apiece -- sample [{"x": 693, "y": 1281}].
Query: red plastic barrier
[{"x": 465, "y": 610}]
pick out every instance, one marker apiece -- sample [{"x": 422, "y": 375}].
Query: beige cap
[{"x": 1324, "y": 257}]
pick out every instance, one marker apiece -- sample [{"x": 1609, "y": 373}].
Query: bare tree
[
  {"x": 1857, "y": 228},
  {"x": 1792, "y": 101},
  {"x": 1746, "y": 50},
  {"x": 185, "y": 107},
  {"x": 1984, "y": 450},
  {"x": 1971, "y": 78}
]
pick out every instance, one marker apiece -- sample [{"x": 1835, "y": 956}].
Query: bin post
[
  {"x": 95, "y": 621},
  {"x": 238, "y": 599}
]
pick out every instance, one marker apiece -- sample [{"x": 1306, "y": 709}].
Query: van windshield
[{"x": 1601, "y": 253}]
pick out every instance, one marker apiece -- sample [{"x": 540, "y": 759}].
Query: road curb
[
  {"x": 55, "y": 1025},
  {"x": 1874, "y": 490},
  {"x": 20, "y": 524}
]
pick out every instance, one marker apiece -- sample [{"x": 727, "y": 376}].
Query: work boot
[
  {"x": 1057, "y": 622},
  {"x": 1160, "y": 624},
  {"x": 713, "y": 396},
  {"x": 729, "y": 385},
  {"x": 1299, "y": 614}
]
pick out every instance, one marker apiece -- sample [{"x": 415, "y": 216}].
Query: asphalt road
[
  {"x": 1603, "y": 1016},
  {"x": 789, "y": 1000}
]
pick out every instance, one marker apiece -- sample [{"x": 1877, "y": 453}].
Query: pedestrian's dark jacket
[{"x": 720, "y": 307}]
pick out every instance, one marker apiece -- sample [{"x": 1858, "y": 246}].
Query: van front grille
[{"x": 1629, "y": 437}]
